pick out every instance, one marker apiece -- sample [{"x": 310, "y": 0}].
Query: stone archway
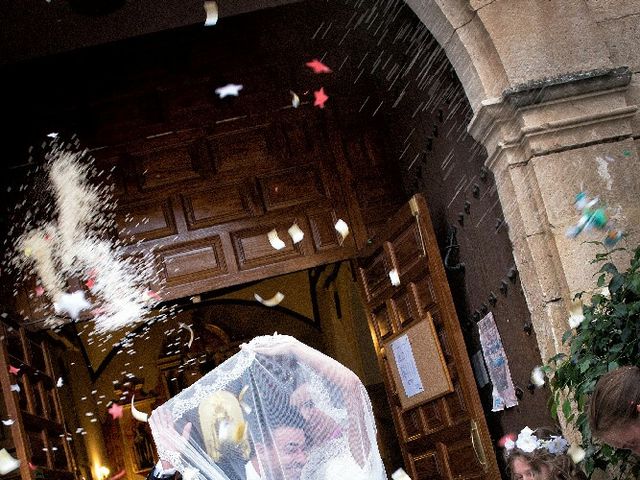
[{"x": 548, "y": 101}]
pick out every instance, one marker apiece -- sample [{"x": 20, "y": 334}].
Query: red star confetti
[
  {"x": 13, "y": 370},
  {"x": 320, "y": 97},
  {"x": 39, "y": 291},
  {"x": 115, "y": 411},
  {"x": 90, "y": 283},
  {"x": 318, "y": 67},
  {"x": 32, "y": 466}
]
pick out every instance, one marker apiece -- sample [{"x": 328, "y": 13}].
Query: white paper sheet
[{"x": 407, "y": 368}]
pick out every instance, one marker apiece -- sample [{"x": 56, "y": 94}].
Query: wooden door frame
[{"x": 418, "y": 208}]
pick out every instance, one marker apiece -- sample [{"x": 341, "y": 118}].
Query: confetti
[
  {"x": 400, "y": 474},
  {"x": 39, "y": 291},
  {"x": 115, "y": 411},
  {"x": 230, "y": 89},
  {"x": 577, "y": 453},
  {"x": 320, "y": 98},
  {"x": 8, "y": 422},
  {"x": 394, "y": 277},
  {"x": 15, "y": 388},
  {"x": 60, "y": 382},
  {"x": 537, "y": 377},
  {"x": 137, "y": 414},
  {"x": 275, "y": 241},
  {"x": 72, "y": 303},
  {"x": 211, "y": 9},
  {"x": 295, "y": 99},
  {"x": 191, "y": 334},
  {"x": 318, "y": 67},
  {"x": 7, "y": 462},
  {"x": 14, "y": 370},
  {"x": 75, "y": 242},
  {"x": 342, "y": 228},
  {"x": 576, "y": 317},
  {"x": 295, "y": 233},
  {"x": 271, "y": 302}
]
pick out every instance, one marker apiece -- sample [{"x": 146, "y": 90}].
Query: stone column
[{"x": 546, "y": 141}]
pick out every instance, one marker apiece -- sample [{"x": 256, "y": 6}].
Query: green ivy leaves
[{"x": 608, "y": 338}]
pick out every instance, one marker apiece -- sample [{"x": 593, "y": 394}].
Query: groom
[{"x": 279, "y": 452}]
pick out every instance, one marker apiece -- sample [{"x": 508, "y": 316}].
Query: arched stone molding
[
  {"x": 546, "y": 143},
  {"x": 547, "y": 131},
  {"x": 468, "y": 46}
]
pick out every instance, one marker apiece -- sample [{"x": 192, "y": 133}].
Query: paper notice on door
[
  {"x": 504, "y": 394},
  {"x": 407, "y": 368}
]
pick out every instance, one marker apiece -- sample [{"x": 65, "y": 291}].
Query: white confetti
[
  {"x": 211, "y": 9},
  {"x": 394, "y": 277},
  {"x": 400, "y": 474},
  {"x": 275, "y": 241},
  {"x": 230, "y": 89},
  {"x": 271, "y": 302},
  {"x": 137, "y": 414},
  {"x": 295, "y": 233},
  {"x": 295, "y": 99},
  {"x": 72, "y": 303},
  {"x": 15, "y": 388},
  {"x": 7, "y": 462},
  {"x": 191, "y": 334},
  {"x": 8, "y": 422},
  {"x": 537, "y": 377},
  {"x": 577, "y": 453},
  {"x": 342, "y": 228},
  {"x": 576, "y": 317}
]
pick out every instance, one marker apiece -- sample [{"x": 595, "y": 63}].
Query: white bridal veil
[{"x": 277, "y": 410}]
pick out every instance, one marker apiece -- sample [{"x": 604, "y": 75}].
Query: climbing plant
[{"x": 608, "y": 337}]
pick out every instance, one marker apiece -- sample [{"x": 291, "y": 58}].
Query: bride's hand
[{"x": 166, "y": 434}]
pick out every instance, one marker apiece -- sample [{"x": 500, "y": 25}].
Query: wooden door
[
  {"x": 40, "y": 437},
  {"x": 445, "y": 438}
]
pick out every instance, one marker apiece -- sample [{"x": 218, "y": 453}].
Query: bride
[{"x": 277, "y": 410}]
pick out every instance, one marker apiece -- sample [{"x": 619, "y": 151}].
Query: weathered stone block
[{"x": 534, "y": 39}]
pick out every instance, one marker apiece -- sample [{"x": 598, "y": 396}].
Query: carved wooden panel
[
  {"x": 146, "y": 220},
  {"x": 426, "y": 466},
  {"x": 242, "y": 150},
  {"x": 252, "y": 247},
  {"x": 294, "y": 186},
  {"x": 193, "y": 261},
  {"x": 462, "y": 460},
  {"x": 375, "y": 275},
  {"x": 168, "y": 165},
  {"x": 404, "y": 308},
  {"x": 323, "y": 230},
  {"x": 382, "y": 321},
  {"x": 217, "y": 204}
]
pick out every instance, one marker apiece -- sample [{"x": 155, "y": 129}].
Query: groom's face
[{"x": 286, "y": 456}]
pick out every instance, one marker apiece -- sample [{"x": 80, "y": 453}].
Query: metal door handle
[{"x": 476, "y": 442}]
